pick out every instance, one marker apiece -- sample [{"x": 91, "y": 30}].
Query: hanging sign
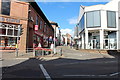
[{"x": 36, "y": 27}]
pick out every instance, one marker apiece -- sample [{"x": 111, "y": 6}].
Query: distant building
[
  {"x": 67, "y": 39},
  {"x": 57, "y": 32},
  {"x": 28, "y": 15},
  {"x": 98, "y": 26}
]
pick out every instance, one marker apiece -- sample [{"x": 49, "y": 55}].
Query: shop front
[
  {"x": 94, "y": 40},
  {"x": 38, "y": 39},
  {"x": 109, "y": 40},
  {"x": 8, "y": 35}
]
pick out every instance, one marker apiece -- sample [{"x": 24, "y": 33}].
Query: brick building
[{"x": 28, "y": 16}]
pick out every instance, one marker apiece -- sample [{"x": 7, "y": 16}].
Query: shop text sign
[{"x": 10, "y": 20}]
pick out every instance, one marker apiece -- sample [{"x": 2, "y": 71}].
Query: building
[
  {"x": 67, "y": 39},
  {"x": 57, "y": 32},
  {"x": 35, "y": 27},
  {"x": 98, "y": 26}
]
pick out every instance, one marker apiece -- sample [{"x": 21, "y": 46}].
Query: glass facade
[
  {"x": 93, "y": 19},
  {"x": 5, "y": 7},
  {"x": 110, "y": 40},
  {"x": 81, "y": 24},
  {"x": 111, "y": 19}
]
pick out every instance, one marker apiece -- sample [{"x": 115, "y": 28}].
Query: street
[{"x": 73, "y": 65}]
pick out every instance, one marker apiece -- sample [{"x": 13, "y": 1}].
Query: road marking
[
  {"x": 84, "y": 75},
  {"x": 45, "y": 72},
  {"x": 113, "y": 74},
  {"x": 78, "y": 75}
]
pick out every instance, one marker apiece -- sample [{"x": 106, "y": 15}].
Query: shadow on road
[
  {"x": 115, "y": 53},
  {"x": 30, "y": 69}
]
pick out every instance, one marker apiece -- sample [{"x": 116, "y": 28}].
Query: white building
[
  {"x": 57, "y": 32},
  {"x": 98, "y": 26}
]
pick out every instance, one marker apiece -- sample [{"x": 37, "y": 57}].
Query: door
[{"x": 93, "y": 44}]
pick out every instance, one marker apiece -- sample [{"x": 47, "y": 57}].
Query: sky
[{"x": 64, "y": 13}]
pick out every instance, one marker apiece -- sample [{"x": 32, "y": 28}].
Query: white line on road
[
  {"x": 45, "y": 72},
  {"x": 113, "y": 74},
  {"x": 84, "y": 75}
]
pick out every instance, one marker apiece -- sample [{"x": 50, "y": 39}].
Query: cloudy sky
[{"x": 66, "y": 12}]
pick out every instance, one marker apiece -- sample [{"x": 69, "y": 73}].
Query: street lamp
[{"x": 54, "y": 40}]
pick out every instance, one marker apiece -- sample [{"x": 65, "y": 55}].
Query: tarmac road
[{"x": 71, "y": 66}]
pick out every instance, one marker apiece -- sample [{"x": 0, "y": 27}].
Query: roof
[{"x": 53, "y": 23}]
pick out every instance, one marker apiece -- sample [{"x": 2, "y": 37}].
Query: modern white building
[{"x": 98, "y": 26}]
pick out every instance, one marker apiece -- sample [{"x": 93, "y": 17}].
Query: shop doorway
[
  {"x": 110, "y": 43},
  {"x": 93, "y": 44}
]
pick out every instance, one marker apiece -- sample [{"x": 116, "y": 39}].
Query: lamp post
[{"x": 54, "y": 40}]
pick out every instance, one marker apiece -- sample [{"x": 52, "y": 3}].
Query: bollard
[
  {"x": 34, "y": 53},
  {"x": 42, "y": 53}
]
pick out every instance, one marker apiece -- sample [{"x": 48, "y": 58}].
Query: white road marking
[
  {"x": 84, "y": 75},
  {"x": 78, "y": 75},
  {"x": 113, "y": 74},
  {"x": 45, "y": 72}
]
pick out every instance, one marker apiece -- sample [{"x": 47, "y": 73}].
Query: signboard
[
  {"x": 10, "y": 20},
  {"x": 36, "y": 27}
]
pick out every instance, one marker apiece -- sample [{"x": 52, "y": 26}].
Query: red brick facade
[{"x": 26, "y": 13}]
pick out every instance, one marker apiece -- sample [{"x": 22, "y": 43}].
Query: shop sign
[
  {"x": 36, "y": 27},
  {"x": 11, "y": 20}
]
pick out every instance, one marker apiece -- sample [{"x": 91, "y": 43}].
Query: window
[
  {"x": 36, "y": 20},
  {"x": 10, "y": 32},
  {"x": 40, "y": 25},
  {"x": 5, "y": 7},
  {"x": 81, "y": 24},
  {"x": 111, "y": 19},
  {"x": 93, "y": 19},
  {"x": 45, "y": 27}
]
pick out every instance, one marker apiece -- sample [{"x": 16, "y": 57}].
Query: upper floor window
[
  {"x": 81, "y": 24},
  {"x": 111, "y": 19},
  {"x": 5, "y": 7},
  {"x": 93, "y": 19},
  {"x": 36, "y": 20},
  {"x": 45, "y": 27},
  {"x": 40, "y": 24}
]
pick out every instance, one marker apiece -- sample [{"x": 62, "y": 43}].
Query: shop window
[
  {"x": 2, "y": 41},
  {"x": 5, "y": 7},
  {"x": 15, "y": 32},
  {"x": 10, "y": 32},
  {"x": 2, "y": 31},
  {"x": 12, "y": 42}
]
